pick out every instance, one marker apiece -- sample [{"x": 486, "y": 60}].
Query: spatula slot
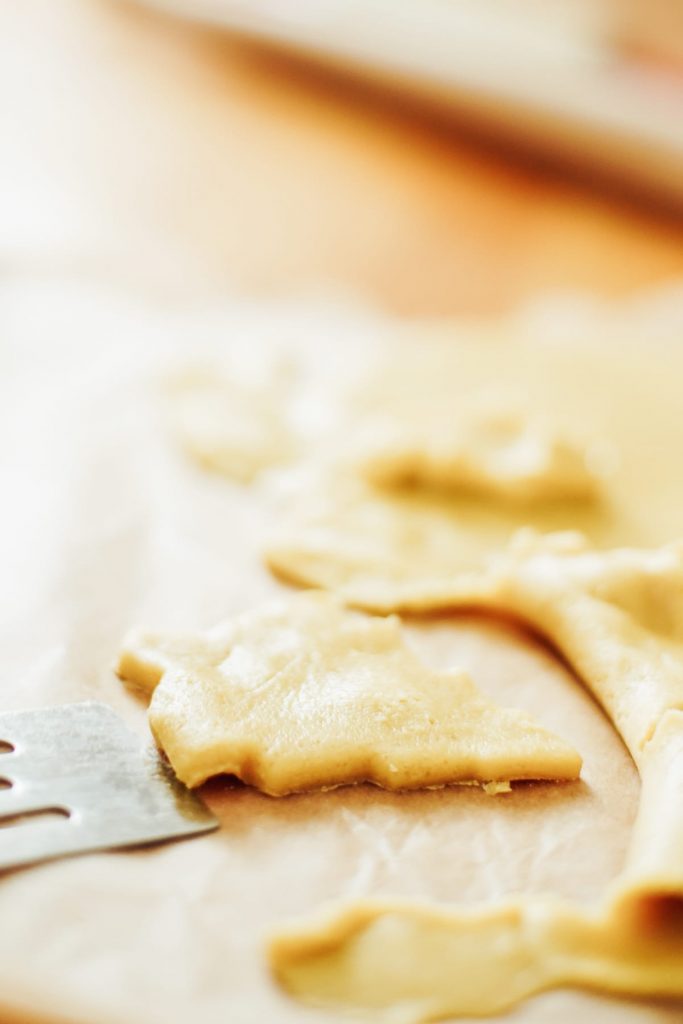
[
  {"x": 11, "y": 820},
  {"x": 80, "y": 781}
]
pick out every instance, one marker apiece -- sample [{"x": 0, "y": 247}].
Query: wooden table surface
[{"x": 146, "y": 151}]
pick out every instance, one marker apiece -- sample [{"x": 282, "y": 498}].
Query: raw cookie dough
[
  {"x": 618, "y": 618},
  {"x": 424, "y": 963},
  {"x": 368, "y": 547},
  {"x": 304, "y": 694},
  {"x": 355, "y": 538},
  {"x": 237, "y": 428},
  {"x": 490, "y": 446},
  {"x": 382, "y": 551}
]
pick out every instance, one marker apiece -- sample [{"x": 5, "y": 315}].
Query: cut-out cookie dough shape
[
  {"x": 236, "y": 428},
  {"x": 304, "y": 694},
  {"x": 490, "y": 448},
  {"x": 618, "y": 618}
]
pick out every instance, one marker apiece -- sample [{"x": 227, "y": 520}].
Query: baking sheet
[{"x": 105, "y": 525}]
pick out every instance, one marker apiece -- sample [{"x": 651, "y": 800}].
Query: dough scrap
[
  {"x": 490, "y": 447},
  {"x": 304, "y": 694},
  {"x": 236, "y": 428},
  {"x": 618, "y": 618}
]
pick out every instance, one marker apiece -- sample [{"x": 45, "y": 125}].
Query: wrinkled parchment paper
[{"x": 105, "y": 525}]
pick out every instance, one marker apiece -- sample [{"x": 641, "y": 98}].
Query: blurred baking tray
[{"x": 549, "y": 76}]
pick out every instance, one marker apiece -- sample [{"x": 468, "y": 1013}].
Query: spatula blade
[{"x": 74, "y": 779}]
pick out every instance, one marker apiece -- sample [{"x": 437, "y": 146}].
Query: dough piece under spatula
[{"x": 74, "y": 779}]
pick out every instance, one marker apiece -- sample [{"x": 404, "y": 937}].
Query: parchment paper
[{"x": 105, "y": 525}]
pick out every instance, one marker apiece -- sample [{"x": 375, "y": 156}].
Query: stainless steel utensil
[{"x": 74, "y": 779}]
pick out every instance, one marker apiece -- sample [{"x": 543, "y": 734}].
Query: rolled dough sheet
[
  {"x": 355, "y": 539},
  {"x": 107, "y": 526}
]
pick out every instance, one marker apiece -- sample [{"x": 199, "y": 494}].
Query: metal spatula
[{"x": 73, "y": 779}]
